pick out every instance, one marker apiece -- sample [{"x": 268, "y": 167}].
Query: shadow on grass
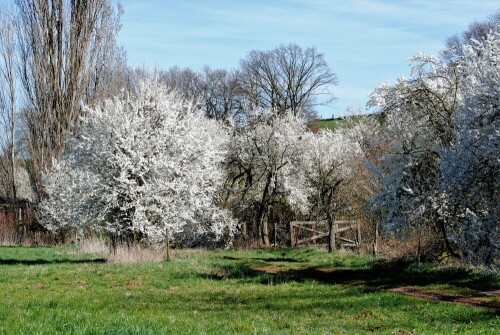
[
  {"x": 245, "y": 273},
  {"x": 47, "y": 261},
  {"x": 391, "y": 275},
  {"x": 383, "y": 275},
  {"x": 379, "y": 276},
  {"x": 265, "y": 259}
]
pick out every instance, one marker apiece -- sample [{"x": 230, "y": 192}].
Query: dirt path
[
  {"x": 453, "y": 298},
  {"x": 331, "y": 275}
]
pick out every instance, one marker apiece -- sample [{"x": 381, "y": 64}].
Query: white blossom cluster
[
  {"x": 149, "y": 164},
  {"x": 266, "y": 152},
  {"x": 146, "y": 164},
  {"x": 442, "y": 168},
  {"x": 326, "y": 164},
  {"x": 471, "y": 164},
  {"x": 275, "y": 159}
]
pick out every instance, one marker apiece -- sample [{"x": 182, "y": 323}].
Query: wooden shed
[{"x": 18, "y": 222}]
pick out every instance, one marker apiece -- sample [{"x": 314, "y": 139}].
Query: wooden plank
[
  {"x": 305, "y": 240},
  {"x": 307, "y": 222},
  {"x": 312, "y": 230},
  {"x": 346, "y": 221},
  {"x": 347, "y": 240},
  {"x": 311, "y": 238},
  {"x": 338, "y": 227},
  {"x": 339, "y": 230},
  {"x": 324, "y": 222},
  {"x": 349, "y": 245},
  {"x": 350, "y": 223}
]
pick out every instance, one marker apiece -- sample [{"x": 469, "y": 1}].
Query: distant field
[
  {"x": 342, "y": 122},
  {"x": 327, "y": 123},
  {"x": 56, "y": 291}
]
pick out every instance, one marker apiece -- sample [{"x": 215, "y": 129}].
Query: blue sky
[{"x": 365, "y": 42}]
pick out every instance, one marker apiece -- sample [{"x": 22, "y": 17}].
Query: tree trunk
[
  {"x": 265, "y": 230},
  {"x": 419, "y": 247},
  {"x": 244, "y": 229},
  {"x": 375, "y": 242},
  {"x": 332, "y": 231},
  {"x": 112, "y": 245},
  {"x": 446, "y": 241},
  {"x": 258, "y": 229},
  {"x": 358, "y": 228},
  {"x": 275, "y": 234},
  {"x": 167, "y": 245},
  {"x": 264, "y": 208},
  {"x": 13, "y": 154}
]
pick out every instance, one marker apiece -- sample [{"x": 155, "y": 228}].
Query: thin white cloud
[{"x": 364, "y": 41}]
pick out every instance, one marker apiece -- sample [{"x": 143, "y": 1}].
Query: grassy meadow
[
  {"x": 338, "y": 123},
  {"x": 60, "y": 291}
]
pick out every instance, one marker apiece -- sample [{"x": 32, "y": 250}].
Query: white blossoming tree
[
  {"x": 261, "y": 158},
  {"x": 326, "y": 167},
  {"x": 471, "y": 165},
  {"x": 419, "y": 112},
  {"x": 141, "y": 166},
  {"x": 442, "y": 168}
]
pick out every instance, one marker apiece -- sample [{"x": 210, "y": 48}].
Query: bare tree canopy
[
  {"x": 65, "y": 46},
  {"x": 221, "y": 93},
  {"x": 185, "y": 82},
  {"x": 8, "y": 103},
  {"x": 216, "y": 91},
  {"x": 287, "y": 78}
]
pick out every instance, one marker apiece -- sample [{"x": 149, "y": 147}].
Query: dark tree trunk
[
  {"x": 265, "y": 230},
  {"x": 275, "y": 234},
  {"x": 449, "y": 249},
  {"x": 167, "y": 245},
  {"x": 375, "y": 242},
  {"x": 332, "y": 231}
]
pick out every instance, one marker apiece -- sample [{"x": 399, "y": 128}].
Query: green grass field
[
  {"x": 331, "y": 124},
  {"x": 337, "y": 123},
  {"x": 56, "y": 291},
  {"x": 344, "y": 122}
]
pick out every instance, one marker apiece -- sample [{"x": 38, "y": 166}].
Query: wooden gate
[{"x": 315, "y": 230}]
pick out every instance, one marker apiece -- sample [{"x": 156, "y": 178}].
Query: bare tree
[
  {"x": 109, "y": 68},
  {"x": 221, "y": 93},
  {"x": 287, "y": 78},
  {"x": 185, "y": 82},
  {"x": 8, "y": 103},
  {"x": 216, "y": 91},
  {"x": 63, "y": 44}
]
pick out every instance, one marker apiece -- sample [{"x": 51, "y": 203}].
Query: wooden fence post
[
  {"x": 275, "y": 233},
  {"x": 359, "y": 235},
  {"x": 314, "y": 233}
]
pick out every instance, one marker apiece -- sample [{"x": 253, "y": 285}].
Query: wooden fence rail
[{"x": 319, "y": 229}]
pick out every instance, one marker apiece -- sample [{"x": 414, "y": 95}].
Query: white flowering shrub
[
  {"x": 262, "y": 158},
  {"x": 471, "y": 164},
  {"x": 145, "y": 165},
  {"x": 441, "y": 170}
]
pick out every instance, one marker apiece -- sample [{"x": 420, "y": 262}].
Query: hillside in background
[{"x": 343, "y": 121}]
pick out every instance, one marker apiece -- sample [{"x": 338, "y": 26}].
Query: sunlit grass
[{"x": 223, "y": 292}]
